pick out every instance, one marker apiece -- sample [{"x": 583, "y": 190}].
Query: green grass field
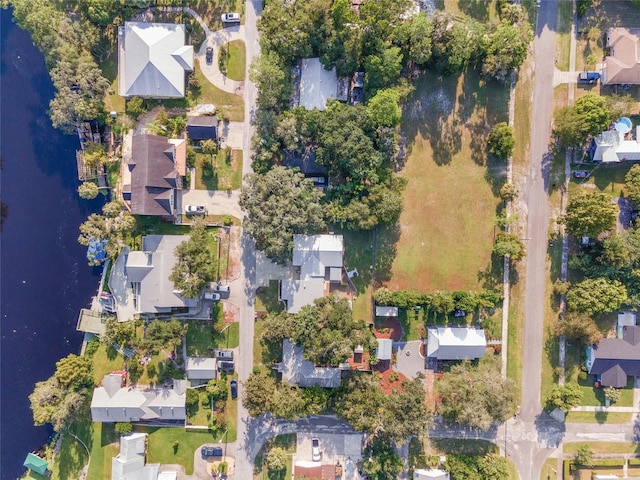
[
  {"x": 602, "y": 447},
  {"x": 598, "y": 417},
  {"x": 105, "y": 360},
  {"x": 563, "y": 35},
  {"x": 286, "y": 441},
  {"x": 233, "y": 60},
  {"x": 203, "y": 336},
  {"x": 227, "y": 172}
]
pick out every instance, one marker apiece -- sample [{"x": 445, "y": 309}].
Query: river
[{"x": 44, "y": 277}]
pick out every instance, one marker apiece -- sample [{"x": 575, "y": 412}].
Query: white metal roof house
[
  {"x": 114, "y": 403},
  {"x": 385, "y": 349},
  {"x": 129, "y": 464},
  {"x": 319, "y": 258},
  {"x": 298, "y": 371},
  {"x": 612, "y": 146},
  {"x": 148, "y": 270},
  {"x": 201, "y": 369},
  {"x": 153, "y": 60},
  {"x": 455, "y": 343},
  {"x": 317, "y": 85},
  {"x": 431, "y": 474}
]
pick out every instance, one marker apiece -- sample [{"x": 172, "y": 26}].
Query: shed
[
  {"x": 202, "y": 127},
  {"x": 384, "y": 350},
  {"x": 36, "y": 464},
  {"x": 201, "y": 368},
  {"x": 386, "y": 311},
  {"x": 431, "y": 474}
]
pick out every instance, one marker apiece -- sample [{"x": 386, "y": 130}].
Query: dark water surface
[{"x": 44, "y": 277}]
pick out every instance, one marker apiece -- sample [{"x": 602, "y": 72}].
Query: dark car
[
  {"x": 211, "y": 452},
  {"x": 209, "y": 55},
  {"x": 234, "y": 388},
  {"x": 588, "y": 77},
  {"x": 581, "y": 174},
  {"x": 225, "y": 366}
]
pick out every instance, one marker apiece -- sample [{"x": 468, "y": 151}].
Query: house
[
  {"x": 626, "y": 319},
  {"x": 386, "y": 311},
  {"x": 35, "y": 464},
  {"x": 318, "y": 261},
  {"x": 455, "y": 343},
  {"x": 308, "y": 166},
  {"x": 148, "y": 271},
  {"x": 317, "y": 85},
  {"x": 615, "y": 359},
  {"x": 385, "y": 349},
  {"x": 153, "y": 60},
  {"x": 201, "y": 369},
  {"x": 612, "y": 146},
  {"x": 129, "y": 464},
  {"x": 431, "y": 474},
  {"x": 296, "y": 371},
  {"x": 622, "y": 65},
  {"x": 202, "y": 127},
  {"x": 113, "y": 402},
  {"x": 156, "y": 166}
]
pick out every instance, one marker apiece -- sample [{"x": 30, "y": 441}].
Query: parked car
[
  {"x": 221, "y": 288},
  {"x": 195, "y": 209},
  {"x": 225, "y": 366},
  {"x": 211, "y": 452},
  {"x": 588, "y": 77},
  {"x": 212, "y": 296},
  {"x": 581, "y": 174},
  {"x": 234, "y": 388},
  {"x": 315, "y": 450},
  {"x": 230, "y": 18},
  {"x": 209, "y": 55},
  {"x": 223, "y": 354}
]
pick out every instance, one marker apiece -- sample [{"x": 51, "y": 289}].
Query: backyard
[
  {"x": 220, "y": 171},
  {"x": 204, "y": 336},
  {"x": 288, "y": 442},
  {"x": 226, "y": 417}
]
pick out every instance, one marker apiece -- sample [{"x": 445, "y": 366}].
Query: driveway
[
  {"x": 409, "y": 362},
  {"x": 217, "y": 202},
  {"x": 267, "y": 270},
  {"x": 232, "y": 135},
  {"x": 211, "y": 71}
]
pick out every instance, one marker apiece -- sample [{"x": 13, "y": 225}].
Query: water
[{"x": 45, "y": 279}]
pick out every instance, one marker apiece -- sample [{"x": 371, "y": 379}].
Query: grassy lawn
[
  {"x": 70, "y": 460},
  {"x": 265, "y": 353},
  {"x": 210, "y": 10},
  {"x": 267, "y": 298},
  {"x": 105, "y": 360},
  {"x": 230, "y": 106},
  {"x": 288, "y": 442},
  {"x": 563, "y": 35},
  {"x": 484, "y": 11},
  {"x": 203, "y": 336},
  {"x": 359, "y": 256},
  {"x": 232, "y": 60},
  {"x": 606, "y": 178},
  {"x": 460, "y": 446},
  {"x": 160, "y": 445},
  {"x": 101, "y": 440},
  {"x": 446, "y": 122},
  {"x": 598, "y": 417},
  {"x": 226, "y": 173},
  {"x": 602, "y": 447},
  {"x": 550, "y": 470},
  {"x": 516, "y": 338}
]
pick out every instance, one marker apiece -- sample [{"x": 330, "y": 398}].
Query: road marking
[{"x": 620, "y": 437}]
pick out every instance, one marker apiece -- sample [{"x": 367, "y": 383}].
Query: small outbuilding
[
  {"x": 202, "y": 127},
  {"x": 317, "y": 85},
  {"x": 431, "y": 474},
  {"x": 386, "y": 311},
  {"x": 201, "y": 369},
  {"x": 385, "y": 349},
  {"x": 36, "y": 464}
]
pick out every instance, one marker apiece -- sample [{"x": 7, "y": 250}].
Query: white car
[
  {"x": 230, "y": 18},
  {"x": 195, "y": 209},
  {"x": 315, "y": 450},
  {"x": 212, "y": 296}
]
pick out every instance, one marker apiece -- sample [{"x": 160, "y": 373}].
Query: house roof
[
  {"x": 154, "y": 175},
  {"x": 306, "y": 163},
  {"x": 386, "y": 311},
  {"x": 384, "y": 350},
  {"x": 200, "y": 368},
  {"x": 298, "y": 371},
  {"x": 431, "y": 474},
  {"x": 626, "y": 319},
  {"x": 126, "y": 404},
  {"x": 317, "y": 85},
  {"x": 150, "y": 268},
  {"x": 622, "y": 66},
  {"x": 202, "y": 127},
  {"x": 455, "y": 343},
  {"x": 152, "y": 60},
  {"x": 35, "y": 464},
  {"x": 613, "y": 356}
]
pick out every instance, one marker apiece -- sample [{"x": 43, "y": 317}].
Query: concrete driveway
[
  {"x": 343, "y": 448},
  {"x": 267, "y": 270},
  {"x": 231, "y": 134},
  {"x": 408, "y": 359},
  {"x": 217, "y": 202}
]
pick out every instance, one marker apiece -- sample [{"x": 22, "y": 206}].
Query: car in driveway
[
  {"x": 230, "y": 18},
  {"x": 209, "y": 55},
  {"x": 225, "y": 366},
  {"x": 211, "y": 452},
  {"x": 234, "y": 388},
  {"x": 588, "y": 77},
  {"x": 212, "y": 296},
  {"x": 223, "y": 354},
  {"x": 221, "y": 288},
  {"x": 195, "y": 209},
  {"x": 581, "y": 174},
  {"x": 316, "y": 454}
]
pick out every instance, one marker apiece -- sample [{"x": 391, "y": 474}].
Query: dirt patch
[
  {"x": 390, "y": 328},
  {"x": 235, "y": 253},
  {"x": 230, "y": 312}
]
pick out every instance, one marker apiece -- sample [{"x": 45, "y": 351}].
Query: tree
[
  {"x": 382, "y": 462},
  {"x": 88, "y": 190},
  {"x": 95, "y": 154},
  {"x": 120, "y": 333},
  {"x": 383, "y": 109},
  {"x": 362, "y": 403},
  {"x": 476, "y": 396},
  {"x": 124, "y": 428},
  {"x": 192, "y": 400},
  {"x": 53, "y": 403},
  {"x": 209, "y": 147},
  {"x": 195, "y": 263},
  {"x": 494, "y": 466},
  {"x": 163, "y": 335},
  {"x": 509, "y": 244},
  {"x": 135, "y": 107},
  {"x": 564, "y": 397},
  {"x": 273, "y": 80},
  {"x": 508, "y": 191},
  {"x": 114, "y": 225},
  {"x": 612, "y": 394},
  {"x": 276, "y": 459},
  {"x": 407, "y": 413},
  {"x": 506, "y": 49},
  {"x": 579, "y": 328},
  {"x": 74, "y": 372},
  {"x": 596, "y": 295},
  {"x": 258, "y": 393},
  {"x": 590, "y": 214},
  {"x": 382, "y": 70},
  {"x": 632, "y": 184},
  {"x": 134, "y": 367},
  {"x": 419, "y": 39},
  {"x": 279, "y": 204},
  {"x": 217, "y": 390},
  {"x": 589, "y": 116},
  {"x": 584, "y": 456},
  {"x": 455, "y": 43},
  {"x": 501, "y": 140}
]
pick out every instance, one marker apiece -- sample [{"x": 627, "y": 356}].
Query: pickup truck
[{"x": 588, "y": 77}]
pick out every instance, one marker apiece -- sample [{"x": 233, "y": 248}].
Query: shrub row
[{"x": 443, "y": 302}]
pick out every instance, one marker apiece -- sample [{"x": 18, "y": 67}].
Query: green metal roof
[{"x": 35, "y": 463}]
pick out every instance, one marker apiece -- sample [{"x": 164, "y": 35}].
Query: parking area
[
  {"x": 344, "y": 449},
  {"x": 409, "y": 362},
  {"x": 267, "y": 270},
  {"x": 216, "y": 202}
]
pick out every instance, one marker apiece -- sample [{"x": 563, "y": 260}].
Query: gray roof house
[
  {"x": 614, "y": 359},
  {"x": 298, "y": 371},
  {"x": 148, "y": 271},
  {"x": 155, "y": 167},
  {"x": 385, "y": 349},
  {"x": 201, "y": 369},
  {"x": 386, "y": 311},
  {"x": 455, "y": 343},
  {"x": 202, "y": 127},
  {"x": 153, "y": 60},
  {"x": 622, "y": 65},
  {"x": 318, "y": 259},
  {"x": 114, "y": 403}
]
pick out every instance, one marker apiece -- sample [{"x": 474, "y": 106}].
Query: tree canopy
[
  {"x": 163, "y": 335},
  {"x": 579, "y": 328},
  {"x": 590, "y": 214},
  {"x": 501, "y": 140},
  {"x": 507, "y": 46},
  {"x": 632, "y": 184},
  {"x": 589, "y": 116},
  {"x": 195, "y": 262},
  {"x": 114, "y": 225},
  {"x": 596, "y": 295},
  {"x": 564, "y": 397},
  {"x": 509, "y": 244}
]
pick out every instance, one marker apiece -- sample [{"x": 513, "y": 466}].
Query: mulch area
[
  {"x": 230, "y": 312},
  {"x": 384, "y": 370},
  {"x": 390, "y": 328}
]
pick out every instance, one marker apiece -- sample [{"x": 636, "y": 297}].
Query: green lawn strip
[
  {"x": 515, "y": 339},
  {"x": 549, "y": 470},
  {"x": 464, "y": 447},
  {"x": 484, "y": 12},
  {"x": 606, "y": 178},
  {"x": 203, "y": 336},
  {"x": 598, "y": 417},
  {"x": 115, "y": 102},
  {"x": 101, "y": 440},
  {"x": 522, "y": 127},
  {"x": 70, "y": 460},
  {"x": 161, "y": 440},
  {"x": 289, "y": 443},
  {"x": 602, "y": 447},
  {"x": 226, "y": 173},
  {"x": 563, "y": 35},
  {"x": 231, "y": 411},
  {"x": 358, "y": 256},
  {"x": 267, "y": 298},
  {"x": 105, "y": 361},
  {"x": 411, "y": 322},
  {"x": 232, "y": 60},
  {"x": 229, "y": 105}
]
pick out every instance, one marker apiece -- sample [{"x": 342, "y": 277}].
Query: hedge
[
  {"x": 566, "y": 469},
  {"x": 634, "y": 461},
  {"x": 609, "y": 462}
]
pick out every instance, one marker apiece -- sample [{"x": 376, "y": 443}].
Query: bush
[
  {"x": 135, "y": 107},
  {"x": 88, "y": 190},
  {"x": 123, "y": 428},
  {"x": 566, "y": 468},
  {"x": 92, "y": 346},
  {"x": 634, "y": 462},
  {"x": 582, "y": 376},
  {"x": 227, "y": 220}
]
